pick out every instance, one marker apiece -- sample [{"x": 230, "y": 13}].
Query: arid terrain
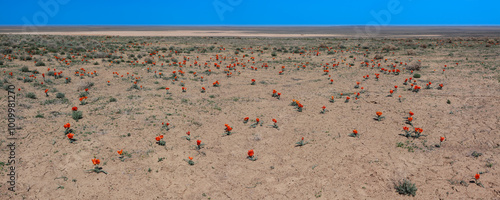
[{"x": 117, "y": 82}]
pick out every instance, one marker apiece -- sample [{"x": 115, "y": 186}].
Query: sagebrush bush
[
  {"x": 60, "y": 95},
  {"x": 405, "y": 187},
  {"x": 31, "y": 95},
  {"x": 77, "y": 115},
  {"x": 40, "y": 63}
]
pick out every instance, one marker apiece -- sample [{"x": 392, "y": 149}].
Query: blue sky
[{"x": 249, "y": 12}]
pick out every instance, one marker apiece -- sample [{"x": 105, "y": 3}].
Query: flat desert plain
[{"x": 350, "y": 118}]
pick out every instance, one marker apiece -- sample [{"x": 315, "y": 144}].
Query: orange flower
[
  {"x": 250, "y": 153},
  {"x": 410, "y": 119},
  {"x": 67, "y": 125},
  {"x": 158, "y": 138},
  {"x": 441, "y": 139},
  {"x": 96, "y": 161},
  {"x": 411, "y": 113},
  {"x": 198, "y": 142},
  {"x": 379, "y": 113},
  {"x": 355, "y": 132},
  {"x": 74, "y": 108},
  {"x": 70, "y": 136},
  {"x": 274, "y": 120},
  {"x": 161, "y": 136},
  {"x": 257, "y": 120},
  {"x": 246, "y": 118},
  {"x": 120, "y": 152},
  {"x": 477, "y": 176},
  {"x": 188, "y": 133},
  {"x": 190, "y": 158}
]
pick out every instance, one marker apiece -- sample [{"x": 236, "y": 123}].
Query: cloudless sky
[{"x": 249, "y": 12}]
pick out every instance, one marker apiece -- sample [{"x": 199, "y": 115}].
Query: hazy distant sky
[{"x": 249, "y": 12}]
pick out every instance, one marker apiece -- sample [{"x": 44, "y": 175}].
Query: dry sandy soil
[{"x": 332, "y": 165}]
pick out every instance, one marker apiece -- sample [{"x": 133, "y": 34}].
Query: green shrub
[
  {"x": 405, "y": 187},
  {"x": 60, "y": 95},
  {"x": 25, "y": 69},
  {"x": 31, "y": 95},
  {"x": 112, "y": 99},
  {"x": 40, "y": 63},
  {"x": 416, "y": 75},
  {"x": 77, "y": 115}
]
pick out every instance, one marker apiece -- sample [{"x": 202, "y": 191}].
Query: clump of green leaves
[
  {"x": 405, "y": 187},
  {"x": 77, "y": 115},
  {"x": 60, "y": 95},
  {"x": 31, "y": 95}
]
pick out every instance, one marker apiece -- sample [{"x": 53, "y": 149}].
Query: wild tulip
[
  {"x": 332, "y": 100},
  {"x": 409, "y": 120},
  {"x": 165, "y": 126},
  {"x": 323, "y": 110},
  {"x": 407, "y": 132},
  {"x": 301, "y": 142},
  {"x": 253, "y": 82},
  {"x": 67, "y": 129},
  {"x": 440, "y": 86},
  {"x": 354, "y": 133},
  {"x": 97, "y": 169},
  {"x": 190, "y": 161},
  {"x": 245, "y": 120},
  {"x": 228, "y": 130},
  {"x": 379, "y": 116},
  {"x": 160, "y": 141},
  {"x": 199, "y": 145},
  {"x": 274, "y": 93},
  {"x": 275, "y": 125},
  {"x": 251, "y": 155},
  {"x": 418, "y": 132},
  {"x": 70, "y": 137},
  {"x": 188, "y": 136},
  {"x": 256, "y": 123},
  {"x": 347, "y": 99},
  {"x": 300, "y": 107}
]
